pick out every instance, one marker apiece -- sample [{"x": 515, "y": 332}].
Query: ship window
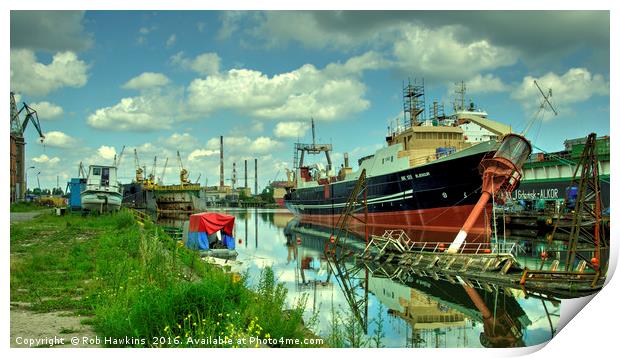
[
  {"x": 96, "y": 171},
  {"x": 391, "y": 158}
]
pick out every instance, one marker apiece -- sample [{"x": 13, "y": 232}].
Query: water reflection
[{"x": 416, "y": 312}]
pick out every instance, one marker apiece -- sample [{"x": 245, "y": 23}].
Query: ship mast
[{"x": 460, "y": 91}]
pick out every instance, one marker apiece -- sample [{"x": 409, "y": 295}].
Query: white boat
[{"x": 102, "y": 193}]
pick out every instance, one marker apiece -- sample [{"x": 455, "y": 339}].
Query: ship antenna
[{"x": 313, "y": 134}]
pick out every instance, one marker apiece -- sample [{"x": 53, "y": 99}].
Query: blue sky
[{"x": 160, "y": 81}]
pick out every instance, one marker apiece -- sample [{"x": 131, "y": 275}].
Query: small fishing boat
[{"x": 102, "y": 193}]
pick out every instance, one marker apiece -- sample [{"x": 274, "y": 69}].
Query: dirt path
[
  {"x": 17, "y": 217},
  {"x": 55, "y": 329},
  {"x": 49, "y": 329}
]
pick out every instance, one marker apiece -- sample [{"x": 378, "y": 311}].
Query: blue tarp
[
  {"x": 228, "y": 241},
  {"x": 197, "y": 241}
]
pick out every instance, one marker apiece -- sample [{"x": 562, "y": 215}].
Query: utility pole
[{"x": 256, "y": 176}]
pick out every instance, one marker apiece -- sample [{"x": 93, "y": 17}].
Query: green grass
[
  {"x": 137, "y": 282},
  {"x": 23, "y": 207}
]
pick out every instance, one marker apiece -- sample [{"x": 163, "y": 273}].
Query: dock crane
[
  {"x": 117, "y": 160},
  {"x": 81, "y": 171},
  {"x": 18, "y": 127},
  {"x": 184, "y": 175},
  {"x": 18, "y": 157},
  {"x": 163, "y": 172},
  {"x": 139, "y": 170},
  {"x": 152, "y": 175}
]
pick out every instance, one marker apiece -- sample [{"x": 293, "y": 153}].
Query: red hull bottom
[{"x": 431, "y": 225}]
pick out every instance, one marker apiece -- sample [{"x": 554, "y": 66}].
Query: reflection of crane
[
  {"x": 18, "y": 157},
  {"x": 183, "y": 174},
  {"x": 163, "y": 172},
  {"x": 139, "y": 170}
]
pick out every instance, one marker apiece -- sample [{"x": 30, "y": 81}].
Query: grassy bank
[{"x": 136, "y": 282}]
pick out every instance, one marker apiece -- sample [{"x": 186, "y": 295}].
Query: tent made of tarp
[
  {"x": 211, "y": 223},
  {"x": 203, "y": 225}
]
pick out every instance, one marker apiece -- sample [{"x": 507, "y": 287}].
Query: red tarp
[{"x": 211, "y": 222}]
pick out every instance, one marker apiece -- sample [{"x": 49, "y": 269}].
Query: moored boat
[{"x": 426, "y": 178}]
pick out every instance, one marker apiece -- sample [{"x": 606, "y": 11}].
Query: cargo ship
[{"x": 425, "y": 178}]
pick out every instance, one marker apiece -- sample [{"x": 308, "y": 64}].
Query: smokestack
[
  {"x": 435, "y": 113},
  {"x": 346, "y": 160},
  {"x": 221, "y": 161},
  {"x": 256, "y": 176},
  {"x": 234, "y": 176},
  {"x": 246, "y": 174}
]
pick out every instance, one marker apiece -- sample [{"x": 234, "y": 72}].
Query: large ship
[{"x": 425, "y": 178}]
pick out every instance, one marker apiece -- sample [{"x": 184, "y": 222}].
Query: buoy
[
  {"x": 487, "y": 251},
  {"x": 441, "y": 247},
  {"x": 331, "y": 239},
  {"x": 543, "y": 255},
  {"x": 298, "y": 241},
  {"x": 594, "y": 262}
]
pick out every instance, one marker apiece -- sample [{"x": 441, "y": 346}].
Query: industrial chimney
[
  {"x": 246, "y": 173},
  {"x": 256, "y": 176},
  {"x": 346, "y": 160},
  {"x": 221, "y": 162}
]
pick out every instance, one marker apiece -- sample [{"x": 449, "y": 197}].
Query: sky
[{"x": 162, "y": 81}]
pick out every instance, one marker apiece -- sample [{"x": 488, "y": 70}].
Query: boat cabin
[{"x": 101, "y": 177}]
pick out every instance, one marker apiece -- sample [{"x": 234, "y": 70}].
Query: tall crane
[
  {"x": 139, "y": 170},
  {"x": 152, "y": 175},
  {"x": 163, "y": 172},
  {"x": 18, "y": 157},
  {"x": 117, "y": 161},
  {"x": 17, "y": 126},
  {"x": 184, "y": 175}
]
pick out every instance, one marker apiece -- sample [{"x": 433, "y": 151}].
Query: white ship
[{"x": 103, "y": 193}]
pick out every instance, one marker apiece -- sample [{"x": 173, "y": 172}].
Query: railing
[{"x": 398, "y": 241}]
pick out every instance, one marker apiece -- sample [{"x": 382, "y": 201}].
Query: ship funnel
[
  {"x": 500, "y": 175},
  {"x": 346, "y": 160}
]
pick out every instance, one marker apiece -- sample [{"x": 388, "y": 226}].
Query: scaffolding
[{"x": 413, "y": 102}]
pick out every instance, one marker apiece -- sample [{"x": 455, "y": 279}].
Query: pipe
[
  {"x": 469, "y": 223},
  {"x": 346, "y": 160}
]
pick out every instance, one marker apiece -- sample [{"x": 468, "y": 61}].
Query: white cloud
[
  {"x": 439, "y": 54},
  {"x": 184, "y": 141},
  {"x": 485, "y": 84},
  {"x": 291, "y": 129},
  {"x": 147, "y": 80},
  {"x": 198, "y": 153},
  {"x": 574, "y": 86},
  {"x": 205, "y": 63},
  {"x": 304, "y": 92},
  {"x": 148, "y": 112},
  {"x": 46, "y": 110},
  {"x": 171, "y": 40},
  {"x": 106, "y": 152},
  {"x": 38, "y": 79},
  {"x": 59, "y": 140},
  {"x": 264, "y": 145},
  {"x": 44, "y": 159}
]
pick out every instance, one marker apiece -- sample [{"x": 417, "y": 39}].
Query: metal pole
[
  {"x": 246, "y": 173},
  {"x": 221, "y": 162},
  {"x": 256, "y": 176}
]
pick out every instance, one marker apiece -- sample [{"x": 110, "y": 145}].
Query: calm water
[{"x": 421, "y": 313}]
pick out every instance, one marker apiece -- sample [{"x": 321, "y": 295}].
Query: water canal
[{"x": 421, "y": 313}]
